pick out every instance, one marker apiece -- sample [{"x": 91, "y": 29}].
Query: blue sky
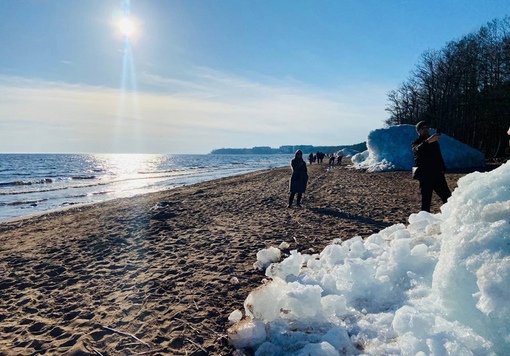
[{"x": 201, "y": 74}]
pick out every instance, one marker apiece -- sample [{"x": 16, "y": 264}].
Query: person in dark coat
[
  {"x": 339, "y": 159},
  {"x": 430, "y": 166},
  {"x": 310, "y": 158},
  {"x": 299, "y": 178}
]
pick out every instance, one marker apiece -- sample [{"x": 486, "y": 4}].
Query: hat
[{"x": 420, "y": 125}]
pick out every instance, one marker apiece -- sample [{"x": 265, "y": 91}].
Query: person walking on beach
[
  {"x": 430, "y": 166},
  {"x": 310, "y": 158},
  {"x": 339, "y": 159},
  {"x": 298, "y": 179}
]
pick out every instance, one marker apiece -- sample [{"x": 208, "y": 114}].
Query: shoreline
[
  {"x": 160, "y": 266},
  {"x": 59, "y": 210},
  {"x": 87, "y": 178}
]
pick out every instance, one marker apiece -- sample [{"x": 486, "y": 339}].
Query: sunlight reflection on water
[{"x": 32, "y": 183}]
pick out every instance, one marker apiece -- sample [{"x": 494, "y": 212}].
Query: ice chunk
[
  {"x": 235, "y": 316},
  {"x": 247, "y": 333},
  {"x": 266, "y": 257}
]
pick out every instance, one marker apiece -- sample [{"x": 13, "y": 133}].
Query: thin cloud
[{"x": 230, "y": 111}]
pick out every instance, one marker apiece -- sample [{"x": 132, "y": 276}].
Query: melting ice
[{"x": 437, "y": 286}]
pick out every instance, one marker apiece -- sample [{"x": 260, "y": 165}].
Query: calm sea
[{"x": 34, "y": 183}]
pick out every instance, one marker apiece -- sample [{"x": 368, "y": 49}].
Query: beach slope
[{"x": 154, "y": 274}]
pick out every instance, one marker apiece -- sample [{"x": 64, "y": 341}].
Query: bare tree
[{"x": 464, "y": 88}]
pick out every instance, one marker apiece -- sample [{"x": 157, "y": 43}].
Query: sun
[{"x": 126, "y": 26}]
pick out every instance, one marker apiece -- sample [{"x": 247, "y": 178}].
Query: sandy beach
[{"x": 153, "y": 274}]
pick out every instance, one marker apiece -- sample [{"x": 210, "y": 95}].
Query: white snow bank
[{"x": 438, "y": 286}]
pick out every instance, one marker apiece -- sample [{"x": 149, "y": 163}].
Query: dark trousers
[
  {"x": 291, "y": 198},
  {"x": 434, "y": 183}
]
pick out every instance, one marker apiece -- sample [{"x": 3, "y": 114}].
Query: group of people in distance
[
  {"x": 338, "y": 159},
  {"x": 429, "y": 169},
  {"x": 318, "y": 157}
]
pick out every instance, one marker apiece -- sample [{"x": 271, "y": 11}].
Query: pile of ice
[
  {"x": 438, "y": 286},
  {"x": 389, "y": 149}
]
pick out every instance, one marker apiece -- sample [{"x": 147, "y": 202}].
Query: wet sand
[{"x": 153, "y": 274}]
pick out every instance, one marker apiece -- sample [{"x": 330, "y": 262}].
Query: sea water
[{"x": 35, "y": 183}]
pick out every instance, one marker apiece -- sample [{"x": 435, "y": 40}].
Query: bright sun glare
[{"x": 126, "y": 26}]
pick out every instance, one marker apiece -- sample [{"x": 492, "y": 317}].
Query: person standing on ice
[
  {"x": 430, "y": 166},
  {"x": 299, "y": 178}
]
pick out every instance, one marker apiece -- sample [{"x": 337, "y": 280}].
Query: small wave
[
  {"x": 103, "y": 192},
  {"x": 25, "y": 202},
  {"x": 173, "y": 170},
  {"x": 28, "y": 182},
  {"x": 83, "y": 177},
  {"x": 70, "y": 203},
  {"x": 80, "y": 196},
  {"x": 69, "y": 187}
]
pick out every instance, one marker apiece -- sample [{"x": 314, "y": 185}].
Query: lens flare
[
  {"x": 128, "y": 117},
  {"x": 126, "y": 26}
]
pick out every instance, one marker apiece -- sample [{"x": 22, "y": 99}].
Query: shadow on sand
[{"x": 377, "y": 224}]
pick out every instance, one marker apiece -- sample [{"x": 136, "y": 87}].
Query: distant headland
[{"x": 360, "y": 147}]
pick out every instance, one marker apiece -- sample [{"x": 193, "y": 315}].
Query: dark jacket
[
  {"x": 428, "y": 158},
  {"x": 299, "y": 177}
]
